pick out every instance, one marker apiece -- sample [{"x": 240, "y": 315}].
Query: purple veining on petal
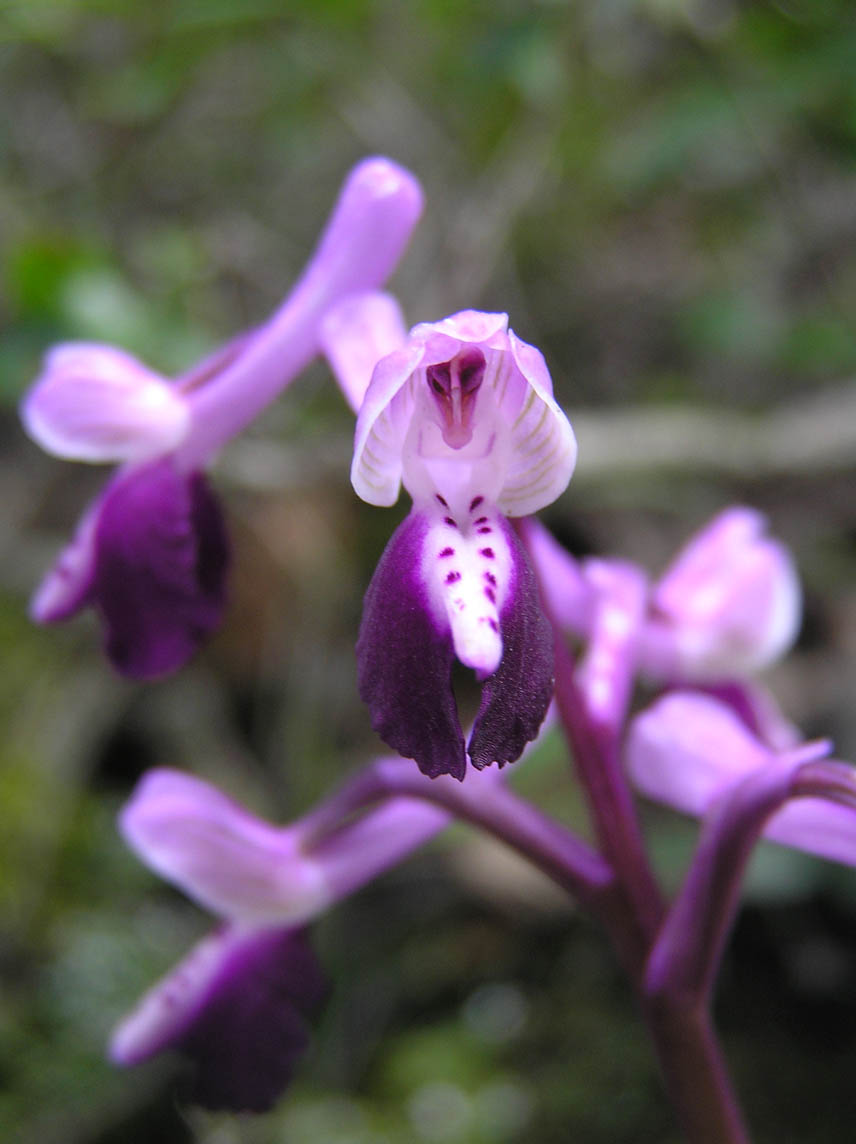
[
  {"x": 237, "y": 1008},
  {"x": 516, "y": 697},
  {"x": 161, "y": 562},
  {"x": 404, "y": 660},
  {"x": 67, "y": 586}
]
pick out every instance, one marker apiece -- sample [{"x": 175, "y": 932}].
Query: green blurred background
[{"x": 662, "y": 194}]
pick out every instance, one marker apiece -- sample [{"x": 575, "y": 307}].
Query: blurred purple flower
[
  {"x": 237, "y": 1006},
  {"x": 462, "y": 413},
  {"x": 151, "y": 554},
  {"x": 728, "y": 605},
  {"x": 689, "y": 751}
]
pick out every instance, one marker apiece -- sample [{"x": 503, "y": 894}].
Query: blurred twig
[{"x": 809, "y": 436}]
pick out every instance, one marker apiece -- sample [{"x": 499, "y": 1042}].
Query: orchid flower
[
  {"x": 696, "y": 754},
  {"x": 461, "y": 412},
  {"x": 151, "y": 553},
  {"x": 238, "y": 1004},
  {"x": 689, "y": 750},
  {"x": 727, "y": 606},
  {"x": 237, "y": 1007}
]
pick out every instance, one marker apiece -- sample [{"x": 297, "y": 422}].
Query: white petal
[
  {"x": 382, "y": 427},
  {"x": 473, "y": 327},
  {"x": 543, "y": 447},
  {"x": 96, "y": 403}
]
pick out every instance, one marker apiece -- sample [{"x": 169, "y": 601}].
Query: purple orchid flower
[
  {"x": 695, "y": 754},
  {"x": 689, "y": 751},
  {"x": 238, "y": 1005},
  {"x": 151, "y": 554},
  {"x": 728, "y": 606},
  {"x": 461, "y": 412}
]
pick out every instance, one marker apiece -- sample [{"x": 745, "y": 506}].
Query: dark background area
[{"x": 662, "y": 195}]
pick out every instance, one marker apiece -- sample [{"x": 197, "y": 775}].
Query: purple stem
[
  {"x": 694, "y": 1073},
  {"x": 488, "y": 804},
  {"x": 685, "y": 959},
  {"x": 690, "y": 1060},
  {"x": 595, "y": 747},
  {"x": 485, "y": 801}
]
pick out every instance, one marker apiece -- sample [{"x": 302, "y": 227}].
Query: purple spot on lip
[
  {"x": 491, "y": 595},
  {"x": 493, "y": 625},
  {"x": 485, "y": 529},
  {"x": 452, "y": 577},
  {"x": 448, "y": 552},
  {"x": 481, "y": 520},
  {"x": 450, "y": 520},
  {"x": 475, "y": 502},
  {"x": 491, "y": 579},
  {"x": 442, "y": 500},
  {"x": 487, "y": 552}
]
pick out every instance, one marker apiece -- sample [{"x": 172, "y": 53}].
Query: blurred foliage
[{"x": 662, "y": 193}]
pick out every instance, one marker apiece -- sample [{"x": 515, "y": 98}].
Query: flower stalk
[{"x": 460, "y": 413}]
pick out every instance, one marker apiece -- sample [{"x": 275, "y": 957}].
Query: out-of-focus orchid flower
[
  {"x": 462, "y": 414},
  {"x": 696, "y": 754},
  {"x": 728, "y": 606},
  {"x": 237, "y": 1007},
  {"x": 688, "y": 750},
  {"x": 151, "y": 553},
  {"x": 252, "y": 872},
  {"x": 238, "y": 1004},
  {"x": 607, "y": 669}
]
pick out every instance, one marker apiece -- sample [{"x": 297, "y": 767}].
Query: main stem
[
  {"x": 694, "y": 1072},
  {"x": 687, "y": 1049},
  {"x": 595, "y": 752}
]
